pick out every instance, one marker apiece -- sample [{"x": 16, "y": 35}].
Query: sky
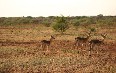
[{"x": 35, "y": 8}]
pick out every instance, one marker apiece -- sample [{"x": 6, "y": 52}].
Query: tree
[
  {"x": 60, "y": 25},
  {"x": 100, "y": 16}
]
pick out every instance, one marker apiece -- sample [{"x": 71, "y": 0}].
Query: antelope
[
  {"x": 47, "y": 42},
  {"x": 94, "y": 42},
  {"x": 97, "y": 41},
  {"x": 82, "y": 40}
]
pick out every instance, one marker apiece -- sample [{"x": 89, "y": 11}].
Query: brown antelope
[
  {"x": 81, "y": 40},
  {"x": 97, "y": 41},
  {"x": 46, "y": 43},
  {"x": 94, "y": 42}
]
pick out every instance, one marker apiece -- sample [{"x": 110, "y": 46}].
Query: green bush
[
  {"x": 61, "y": 25},
  {"x": 46, "y": 23},
  {"x": 77, "y": 23}
]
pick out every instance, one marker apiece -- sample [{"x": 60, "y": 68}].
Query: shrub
[
  {"x": 46, "y": 23},
  {"x": 77, "y": 23},
  {"x": 61, "y": 25}
]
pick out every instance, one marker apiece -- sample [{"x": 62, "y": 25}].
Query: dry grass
[{"x": 29, "y": 57}]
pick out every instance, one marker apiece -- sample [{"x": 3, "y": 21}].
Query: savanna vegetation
[
  {"x": 71, "y": 20},
  {"x": 58, "y": 44}
]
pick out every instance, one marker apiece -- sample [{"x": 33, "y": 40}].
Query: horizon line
[{"x": 58, "y": 15}]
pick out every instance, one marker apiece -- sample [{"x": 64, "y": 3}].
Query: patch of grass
[
  {"x": 73, "y": 51},
  {"x": 11, "y": 50},
  {"x": 6, "y": 66}
]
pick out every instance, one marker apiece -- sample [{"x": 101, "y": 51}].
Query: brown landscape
[{"x": 22, "y": 50}]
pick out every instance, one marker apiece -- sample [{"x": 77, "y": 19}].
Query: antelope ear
[
  {"x": 52, "y": 36},
  {"x": 104, "y": 35}
]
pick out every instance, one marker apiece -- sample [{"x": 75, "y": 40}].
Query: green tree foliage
[
  {"x": 61, "y": 21},
  {"x": 61, "y": 25},
  {"x": 100, "y": 16}
]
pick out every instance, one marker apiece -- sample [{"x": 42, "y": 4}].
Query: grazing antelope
[
  {"x": 81, "y": 40},
  {"x": 97, "y": 41},
  {"x": 46, "y": 43},
  {"x": 94, "y": 42}
]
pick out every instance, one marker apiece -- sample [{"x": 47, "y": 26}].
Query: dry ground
[{"x": 20, "y": 51}]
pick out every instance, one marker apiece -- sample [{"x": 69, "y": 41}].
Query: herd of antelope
[{"x": 79, "y": 41}]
